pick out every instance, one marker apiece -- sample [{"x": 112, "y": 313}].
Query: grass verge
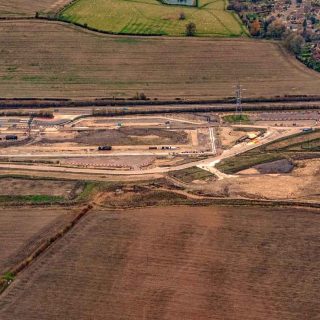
[
  {"x": 32, "y": 199},
  {"x": 190, "y": 174},
  {"x": 236, "y": 118},
  {"x": 8, "y": 276}
]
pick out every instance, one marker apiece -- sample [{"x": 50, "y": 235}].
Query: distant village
[{"x": 296, "y": 22}]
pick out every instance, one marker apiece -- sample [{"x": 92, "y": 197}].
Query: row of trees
[{"x": 275, "y": 29}]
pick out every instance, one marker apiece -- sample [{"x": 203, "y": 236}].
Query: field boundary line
[
  {"x": 294, "y": 62},
  {"x": 221, "y": 105},
  {"x": 45, "y": 245},
  {"x": 81, "y": 28},
  {"x": 208, "y": 200}
]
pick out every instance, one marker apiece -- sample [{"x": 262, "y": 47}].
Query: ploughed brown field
[
  {"x": 21, "y": 187},
  {"x": 23, "y": 228},
  {"x": 65, "y": 61},
  {"x": 176, "y": 263},
  {"x": 29, "y": 7}
]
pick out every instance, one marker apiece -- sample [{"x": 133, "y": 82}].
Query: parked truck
[
  {"x": 11, "y": 137},
  {"x": 104, "y": 148},
  {"x": 166, "y": 148}
]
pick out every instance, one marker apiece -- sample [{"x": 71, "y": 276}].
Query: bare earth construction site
[{"x": 154, "y": 177}]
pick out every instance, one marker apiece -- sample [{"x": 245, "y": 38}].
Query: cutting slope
[
  {"x": 16, "y": 8},
  {"x": 176, "y": 263},
  {"x": 153, "y": 17},
  {"x": 62, "y": 61}
]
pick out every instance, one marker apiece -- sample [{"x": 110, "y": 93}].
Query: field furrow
[
  {"x": 170, "y": 263},
  {"x": 62, "y": 61}
]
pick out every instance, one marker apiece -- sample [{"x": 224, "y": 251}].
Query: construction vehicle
[
  {"x": 11, "y": 137},
  {"x": 104, "y": 148}
]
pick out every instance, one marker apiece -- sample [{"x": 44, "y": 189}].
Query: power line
[
  {"x": 239, "y": 110},
  {"x": 238, "y": 99},
  {"x": 30, "y": 125}
]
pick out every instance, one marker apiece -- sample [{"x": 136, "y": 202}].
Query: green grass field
[
  {"x": 235, "y": 118},
  {"x": 152, "y": 17},
  {"x": 190, "y": 174}
]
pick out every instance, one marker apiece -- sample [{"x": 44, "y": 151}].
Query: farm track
[{"x": 64, "y": 69}]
